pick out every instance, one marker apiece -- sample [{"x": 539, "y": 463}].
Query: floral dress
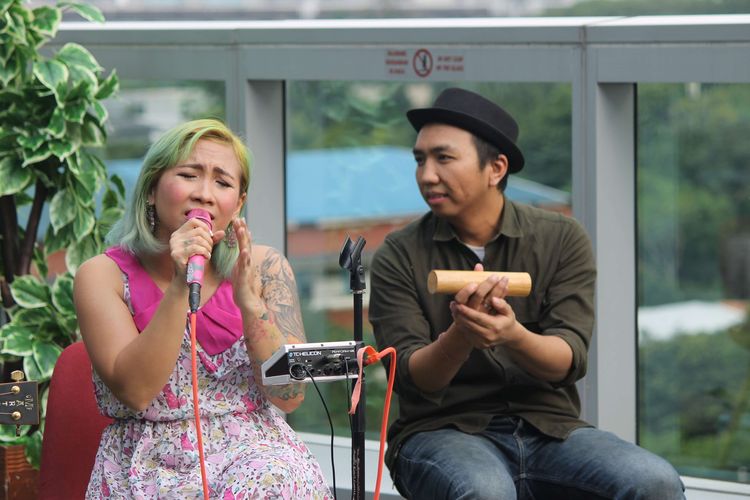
[{"x": 250, "y": 451}]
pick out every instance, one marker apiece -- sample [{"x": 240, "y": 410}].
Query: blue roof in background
[
  {"x": 354, "y": 183},
  {"x": 331, "y": 184},
  {"x": 373, "y": 182}
]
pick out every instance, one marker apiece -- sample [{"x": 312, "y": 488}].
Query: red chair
[{"x": 73, "y": 428}]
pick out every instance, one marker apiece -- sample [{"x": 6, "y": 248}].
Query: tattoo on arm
[
  {"x": 281, "y": 324},
  {"x": 286, "y": 392},
  {"x": 280, "y": 295}
]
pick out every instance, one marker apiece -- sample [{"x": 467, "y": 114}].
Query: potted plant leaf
[{"x": 51, "y": 123}]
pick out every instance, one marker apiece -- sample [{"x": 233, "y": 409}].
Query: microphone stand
[{"x": 350, "y": 258}]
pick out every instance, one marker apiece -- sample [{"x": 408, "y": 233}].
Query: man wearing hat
[{"x": 488, "y": 407}]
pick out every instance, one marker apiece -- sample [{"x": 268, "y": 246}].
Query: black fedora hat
[{"x": 473, "y": 113}]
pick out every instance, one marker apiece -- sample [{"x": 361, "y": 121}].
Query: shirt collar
[{"x": 510, "y": 226}]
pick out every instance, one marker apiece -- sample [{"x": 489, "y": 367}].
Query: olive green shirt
[{"x": 555, "y": 251}]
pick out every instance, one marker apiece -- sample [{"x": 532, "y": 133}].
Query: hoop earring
[
  {"x": 230, "y": 238},
  {"x": 151, "y": 217}
]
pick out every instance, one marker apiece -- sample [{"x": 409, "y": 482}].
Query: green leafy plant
[{"x": 51, "y": 119}]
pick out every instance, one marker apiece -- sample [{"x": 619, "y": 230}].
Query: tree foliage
[
  {"x": 693, "y": 401},
  {"x": 344, "y": 114},
  {"x": 51, "y": 114},
  {"x": 693, "y": 196}
]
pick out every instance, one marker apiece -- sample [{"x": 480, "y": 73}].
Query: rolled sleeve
[
  {"x": 395, "y": 313},
  {"x": 568, "y": 307}
]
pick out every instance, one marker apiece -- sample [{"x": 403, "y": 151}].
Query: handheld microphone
[{"x": 197, "y": 263}]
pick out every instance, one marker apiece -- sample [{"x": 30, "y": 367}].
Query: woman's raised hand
[{"x": 246, "y": 290}]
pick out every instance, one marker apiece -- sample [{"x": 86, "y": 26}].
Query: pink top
[{"x": 218, "y": 322}]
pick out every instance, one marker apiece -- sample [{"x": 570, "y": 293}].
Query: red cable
[
  {"x": 194, "y": 361},
  {"x": 377, "y": 356}
]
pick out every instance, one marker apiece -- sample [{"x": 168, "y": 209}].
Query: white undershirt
[{"x": 478, "y": 251}]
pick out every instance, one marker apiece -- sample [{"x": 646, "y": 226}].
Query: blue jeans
[{"x": 512, "y": 460}]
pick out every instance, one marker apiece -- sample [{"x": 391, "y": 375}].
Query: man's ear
[{"x": 499, "y": 169}]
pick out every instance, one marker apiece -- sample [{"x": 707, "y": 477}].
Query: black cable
[{"x": 330, "y": 422}]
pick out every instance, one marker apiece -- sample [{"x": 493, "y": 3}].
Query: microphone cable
[
  {"x": 194, "y": 366},
  {"x": 195, "y": 270}
]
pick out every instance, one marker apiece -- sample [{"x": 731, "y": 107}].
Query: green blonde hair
[{"x": 133, "y": 232}]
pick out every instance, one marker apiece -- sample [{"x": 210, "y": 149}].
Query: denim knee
[
  {"x": 646, "y": 476},
  {"x": 452, "y": 465},
  {"x": 426, "y": 481},
  {"x": 498, "y": 486},
  {"x": 656, "y": 479}
]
